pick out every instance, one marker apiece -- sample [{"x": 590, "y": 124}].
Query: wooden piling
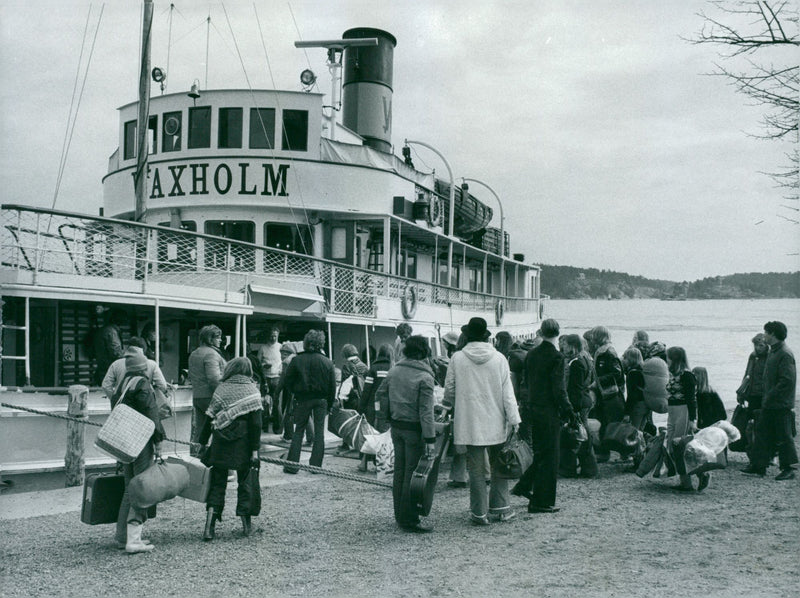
[{"x": 74, "y": 464}]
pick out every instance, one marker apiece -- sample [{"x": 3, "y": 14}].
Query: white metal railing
[{"x": 50, "y": 241}]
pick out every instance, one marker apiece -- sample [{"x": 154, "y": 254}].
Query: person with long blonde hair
[{"x": 681, "y": 406}]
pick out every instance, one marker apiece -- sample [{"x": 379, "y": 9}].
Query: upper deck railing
[{"x": 41, "y": 241}]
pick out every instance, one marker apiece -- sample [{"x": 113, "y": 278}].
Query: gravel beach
[{"x": 321, "y": 536}]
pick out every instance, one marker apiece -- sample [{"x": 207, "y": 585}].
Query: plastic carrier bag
[{"x": 384, "y": 459}]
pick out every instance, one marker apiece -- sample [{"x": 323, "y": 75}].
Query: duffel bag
[{"x": 160, "y": 482}]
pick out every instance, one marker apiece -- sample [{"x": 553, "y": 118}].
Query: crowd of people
[{"x": 541, "y": 388}]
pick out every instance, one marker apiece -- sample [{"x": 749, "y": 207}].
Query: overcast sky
[{"x": 593, "y": 121}]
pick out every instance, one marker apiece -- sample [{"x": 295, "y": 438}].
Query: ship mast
[{"x": 142, "y": 125}]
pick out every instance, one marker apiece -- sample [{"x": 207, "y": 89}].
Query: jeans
[
  {"x": 288, "y": 424},
  {"x": 127, "y": 512},
  {"x": 219, "y": 483},
  {"x": 199, "y": 418},
  {"x": 481, "y": 501},
  {"x": 408, "y": 449},
  {"x": 302, "y": 411},
  {"x": 275, "y": 416}
]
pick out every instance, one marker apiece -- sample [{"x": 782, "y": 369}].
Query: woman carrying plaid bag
[
  {"x": 234, "y": 418},
  {"x": 136, "y": 392}
]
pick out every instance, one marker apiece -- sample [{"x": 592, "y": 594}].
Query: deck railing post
[
  {"x": 18, "y": 243},
  {"x": 36, "y": 252},
  {"x": 74, "y": 464},
  {"x": 333, "y": 288},
  {"x": 228, "y": 272}
]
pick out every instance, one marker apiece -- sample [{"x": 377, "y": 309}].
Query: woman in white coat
[{"x": 478, "y": 385}]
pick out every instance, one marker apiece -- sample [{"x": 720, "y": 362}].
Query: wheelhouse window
[
  {"x": 130, "y": 140},
  {"x": 242, "y": 259},
  {"x": 295, "y": 130},
  {"x": 262, "y": 128},
  {"x": 289, "y": 237},
  {"x": 177, "y": 252},
  {"x": 171, "y": 132},
  {"x": 199, "y": 127},
  {"x": 230, "y": 128}
]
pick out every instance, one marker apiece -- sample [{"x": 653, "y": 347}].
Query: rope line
[{"x": 271, "y": 460}]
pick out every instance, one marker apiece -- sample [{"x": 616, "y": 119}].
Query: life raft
[
  {"x": 499, "y": 311},
  {"x": 408, "y": 302}
]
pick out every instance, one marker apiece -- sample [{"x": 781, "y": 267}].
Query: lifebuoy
[
  {"x": 499, "y": 310},
  {"x": 434, "y": 214},
  {"x": 408, "y": 302}
]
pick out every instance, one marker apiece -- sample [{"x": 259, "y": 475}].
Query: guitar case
[{"x": 425, "y": 476}]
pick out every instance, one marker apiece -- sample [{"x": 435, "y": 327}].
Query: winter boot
[
  {"x": 134, "y": 543},
  {"x": 211, "y": 522}
]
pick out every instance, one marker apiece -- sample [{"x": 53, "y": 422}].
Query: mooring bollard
[{"x": 74, "y": 464}]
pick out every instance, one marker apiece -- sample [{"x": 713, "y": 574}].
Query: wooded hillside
[{"x": 568, "y": 282}]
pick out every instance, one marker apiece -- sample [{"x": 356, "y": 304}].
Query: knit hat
[
  {"x": 657, "y": 349},
  {"x": 288, "y": 347},
  {"x": 451, "y": 338},
  {"x": 349, "y": 351},
  {"x": 135, "y": 361}
]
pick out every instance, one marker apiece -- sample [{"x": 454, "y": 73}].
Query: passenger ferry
[{"x": 259, "y": 207}]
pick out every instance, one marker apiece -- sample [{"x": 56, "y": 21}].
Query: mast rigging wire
[
  {"x": 71, "y": 128},
  {"x": 294, "y": 172}
]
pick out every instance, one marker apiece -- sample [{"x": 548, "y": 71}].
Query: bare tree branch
[{"x": 754, "y": 27}]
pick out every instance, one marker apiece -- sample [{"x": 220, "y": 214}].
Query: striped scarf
[{"x": 234, "y": 397}]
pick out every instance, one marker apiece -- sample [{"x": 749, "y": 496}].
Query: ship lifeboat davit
[{"x": 470, "y": 214}]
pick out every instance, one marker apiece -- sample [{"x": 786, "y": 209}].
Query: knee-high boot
[
  {"x": 211, "y": 521},
  {"x": 134, "y": 542}
]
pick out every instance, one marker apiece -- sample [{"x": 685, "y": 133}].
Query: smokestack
[{"x": 367, "y": 87}]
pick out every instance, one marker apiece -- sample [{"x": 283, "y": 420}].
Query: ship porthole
[
  {"x": 408, "y": 302},
  {"x": 499, "y": 311}
]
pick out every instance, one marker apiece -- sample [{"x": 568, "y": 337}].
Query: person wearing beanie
[
  {"x": 135, "y": 391},
  {"x": 356, "y": 370},
  {"x": 116, "y": 371}
]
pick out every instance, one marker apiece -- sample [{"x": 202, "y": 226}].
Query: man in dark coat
[
  {"x": 774, "y": 426},
  {"x": 108, "y": 346},
  {"x": 311, "y": 380},
  {"x": 550, "y": 406}
]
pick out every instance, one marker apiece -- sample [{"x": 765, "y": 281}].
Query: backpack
[{"x": 608, "y": 368}]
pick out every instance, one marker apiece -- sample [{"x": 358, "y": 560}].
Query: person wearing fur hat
[
  {"x": 479, "y": 386},
  {"x": 136, "y": 392}
]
